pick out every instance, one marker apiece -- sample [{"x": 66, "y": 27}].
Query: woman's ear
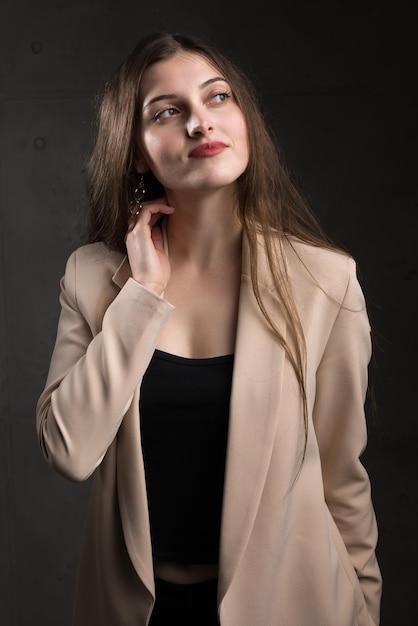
[{"x": 141, "y": 165}]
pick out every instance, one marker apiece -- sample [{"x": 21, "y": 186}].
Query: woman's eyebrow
[{"x": 171, "y": 96}]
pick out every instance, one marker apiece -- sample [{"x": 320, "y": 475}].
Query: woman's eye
[
  {"x": 164, "y": 114},
  {"x": 221, "y": 96}
]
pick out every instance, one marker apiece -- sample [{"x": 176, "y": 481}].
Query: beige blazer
[{"x": 299, "y": 554}]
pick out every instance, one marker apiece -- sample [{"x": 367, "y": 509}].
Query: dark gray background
[{"x": 338, "y": 81}]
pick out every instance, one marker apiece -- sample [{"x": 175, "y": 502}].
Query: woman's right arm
[{"x": 91, "y": 380}]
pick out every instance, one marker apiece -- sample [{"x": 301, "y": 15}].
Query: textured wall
[{"x": 339, "y": 83}]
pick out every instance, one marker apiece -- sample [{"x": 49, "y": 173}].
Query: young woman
[{"x": 210, "y": 369}]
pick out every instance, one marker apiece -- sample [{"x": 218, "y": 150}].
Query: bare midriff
[{"x": 185, "y": 573}]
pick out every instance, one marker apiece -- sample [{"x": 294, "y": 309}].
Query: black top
[{"x": 184, "y": 409}]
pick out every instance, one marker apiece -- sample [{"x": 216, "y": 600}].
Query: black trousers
[{"x": 186, "y": 605}]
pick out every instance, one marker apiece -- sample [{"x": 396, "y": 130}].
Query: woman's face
[{"x": 192, "y": 134}]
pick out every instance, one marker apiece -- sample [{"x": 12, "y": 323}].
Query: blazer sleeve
[
  {"x": 340, "y": 426},
  {"x": 92, "y": 379}
]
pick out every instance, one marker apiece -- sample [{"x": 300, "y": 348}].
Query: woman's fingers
[
  {"x": 148, "y": 261},
  {"x": 147, "y": 214},
  {"x": 150, "y": 212}
]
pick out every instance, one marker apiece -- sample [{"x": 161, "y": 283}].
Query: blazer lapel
[
  {"x": 132, "y": 494},
  {"x": 255, "y": 398}
]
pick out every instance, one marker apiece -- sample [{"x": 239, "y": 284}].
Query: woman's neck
[{"x": 204, "y": 233}]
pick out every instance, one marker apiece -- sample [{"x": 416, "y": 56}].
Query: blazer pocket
[{"x": 349, "y": 573}]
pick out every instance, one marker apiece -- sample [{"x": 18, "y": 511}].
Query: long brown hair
[{"x": 268, "y": 202}]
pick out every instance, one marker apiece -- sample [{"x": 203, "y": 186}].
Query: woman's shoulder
[
  {"x": 93, "y": 263},
  {"x": 304, "y": 261},
  {"x": 95, "y": 256},
  {"x": 98, "y": 252},
  {"x": 332, "y": 269},
  {"x": 326, "y": 259}
]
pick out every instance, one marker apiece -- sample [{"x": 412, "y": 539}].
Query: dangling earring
[
  {"x": 139, "y": 194},
  {"x": 140, "y": 191}
]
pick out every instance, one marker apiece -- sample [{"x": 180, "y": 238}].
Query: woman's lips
[{"x": 207, "y": 150}]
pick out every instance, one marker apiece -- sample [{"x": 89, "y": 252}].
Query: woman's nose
[{"x": 198, "y": 124}]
